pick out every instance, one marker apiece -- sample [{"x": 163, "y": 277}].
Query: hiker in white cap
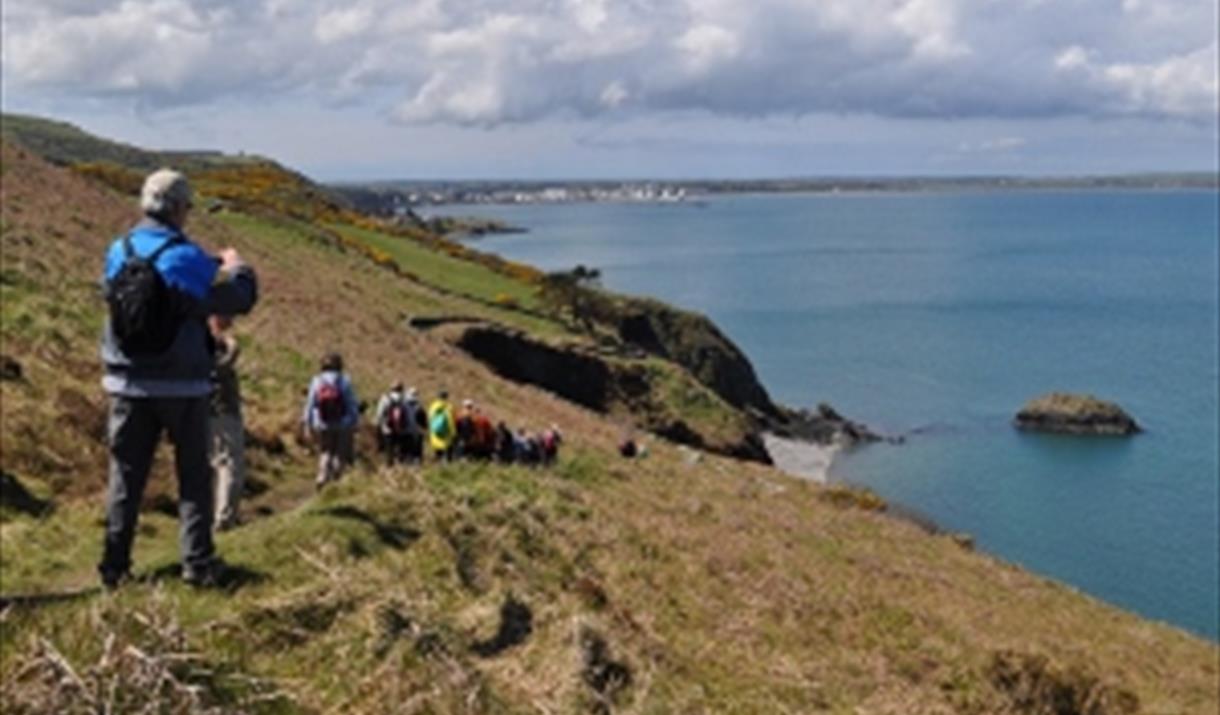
[{"x": 160, "y": 289}]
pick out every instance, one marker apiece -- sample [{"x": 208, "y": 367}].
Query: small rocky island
[{"x": 1068, "y": 413}]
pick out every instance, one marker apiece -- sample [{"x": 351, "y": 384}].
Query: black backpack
[{"x": 144, "y": 316}]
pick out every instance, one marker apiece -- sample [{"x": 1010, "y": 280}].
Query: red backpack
[
  {"x": 398, "y": 419},
  {"x": 330, "y": 403}
]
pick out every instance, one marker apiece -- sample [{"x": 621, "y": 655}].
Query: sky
[{"x": 382, "y": 89}]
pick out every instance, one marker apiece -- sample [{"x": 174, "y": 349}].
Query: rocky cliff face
[
  {"x": 694, "y": 341},
  {"x": 644, "y": 390}
]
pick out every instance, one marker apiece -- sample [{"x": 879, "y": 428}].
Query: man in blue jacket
[{"x": 165, "y": 388}]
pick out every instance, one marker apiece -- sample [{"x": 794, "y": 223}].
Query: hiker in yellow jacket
[{"x": 442, "y": 430}]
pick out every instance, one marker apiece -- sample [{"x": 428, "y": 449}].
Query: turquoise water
[{"x": 939, "y": 315}]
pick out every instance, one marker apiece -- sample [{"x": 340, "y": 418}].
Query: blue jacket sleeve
[
  {"x": 189, "y": 269},
  {"x": 349, "y": 399}
]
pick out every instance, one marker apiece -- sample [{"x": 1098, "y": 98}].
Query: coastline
[
  {"x": 802, "y": 458},
  {"x": 808, "y": 460}
]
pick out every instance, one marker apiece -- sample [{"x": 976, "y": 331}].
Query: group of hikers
[
  {"x": 169, "y": 366},
  {"x": 406, "y": 430}
]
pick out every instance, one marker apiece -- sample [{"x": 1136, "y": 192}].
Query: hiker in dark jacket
[
  {"x": 331, "y": 414},
  {"x": 415, "y": 445},
  {"x": 158, "y": 362},
  {"x": 506, "y": 445},
  {"x": 396, "y": 424}
]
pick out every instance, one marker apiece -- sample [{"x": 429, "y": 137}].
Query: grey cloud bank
[{"x": 482, "y": 63}]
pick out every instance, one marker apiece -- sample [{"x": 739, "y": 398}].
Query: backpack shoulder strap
[
  {"x": 130, "y": 251},
  {"x": 169, "y": 243}
]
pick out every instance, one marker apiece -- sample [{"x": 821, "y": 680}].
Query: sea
[{"x": 935, "y": 316}]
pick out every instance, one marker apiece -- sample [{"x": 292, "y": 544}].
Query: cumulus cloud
[
  {"x": 1179, "y": 85},
  {"x": 484, "y": 62}
]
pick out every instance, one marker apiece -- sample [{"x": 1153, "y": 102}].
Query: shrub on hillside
[{"x": 120, "y": 178}]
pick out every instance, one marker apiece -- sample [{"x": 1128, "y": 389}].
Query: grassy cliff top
[{"x": 682, "y": 582}]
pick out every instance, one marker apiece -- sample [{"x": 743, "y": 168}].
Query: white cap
[{"x": 164, "y": 190}]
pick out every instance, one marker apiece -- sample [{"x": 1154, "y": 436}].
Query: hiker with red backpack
[
  {"x": 160, "y": 287},
  {"x": 331, "y": 413},
  {"x": 396, "y": 424},
  {"x": 482, "y": 437},
  {"x": 550, "y": 440}
]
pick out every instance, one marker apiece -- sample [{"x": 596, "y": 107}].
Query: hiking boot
[
  {"x": 208, "y": 575},
  {"x": 111, "y": 580}
]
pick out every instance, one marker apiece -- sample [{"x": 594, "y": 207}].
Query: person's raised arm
[{"x": 237, "y": 291}]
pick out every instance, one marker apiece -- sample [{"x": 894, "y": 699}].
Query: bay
[{"x": 937, "y": 316}]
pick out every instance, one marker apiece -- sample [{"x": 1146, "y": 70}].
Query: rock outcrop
[
  {"x": 1068, "y": 413},
  {"x": 603, "y": 383},
  {"x": 696, "y": 343},
  {"x": 823, "y": 426}
]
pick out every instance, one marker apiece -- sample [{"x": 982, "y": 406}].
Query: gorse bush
[{"x": 120, "y": 178}]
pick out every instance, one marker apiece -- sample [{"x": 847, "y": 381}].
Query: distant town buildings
[
  {"x": 557, "y": 194},
  {"x": 400, "y": 197}
]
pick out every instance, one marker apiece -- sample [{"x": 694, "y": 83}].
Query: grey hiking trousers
[
  {"x": 228, "y": 466},
  {"x": 135, "y": 428}
]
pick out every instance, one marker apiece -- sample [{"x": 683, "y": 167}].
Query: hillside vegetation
[{"x": 684, "y": 582}]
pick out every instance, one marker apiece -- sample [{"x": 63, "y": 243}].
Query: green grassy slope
[
  {"x": 682, "y": 582},
  {"x": 64, "y": 143}
]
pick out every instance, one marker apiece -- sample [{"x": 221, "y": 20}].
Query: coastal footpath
[{"x": 686, "y": 581}]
